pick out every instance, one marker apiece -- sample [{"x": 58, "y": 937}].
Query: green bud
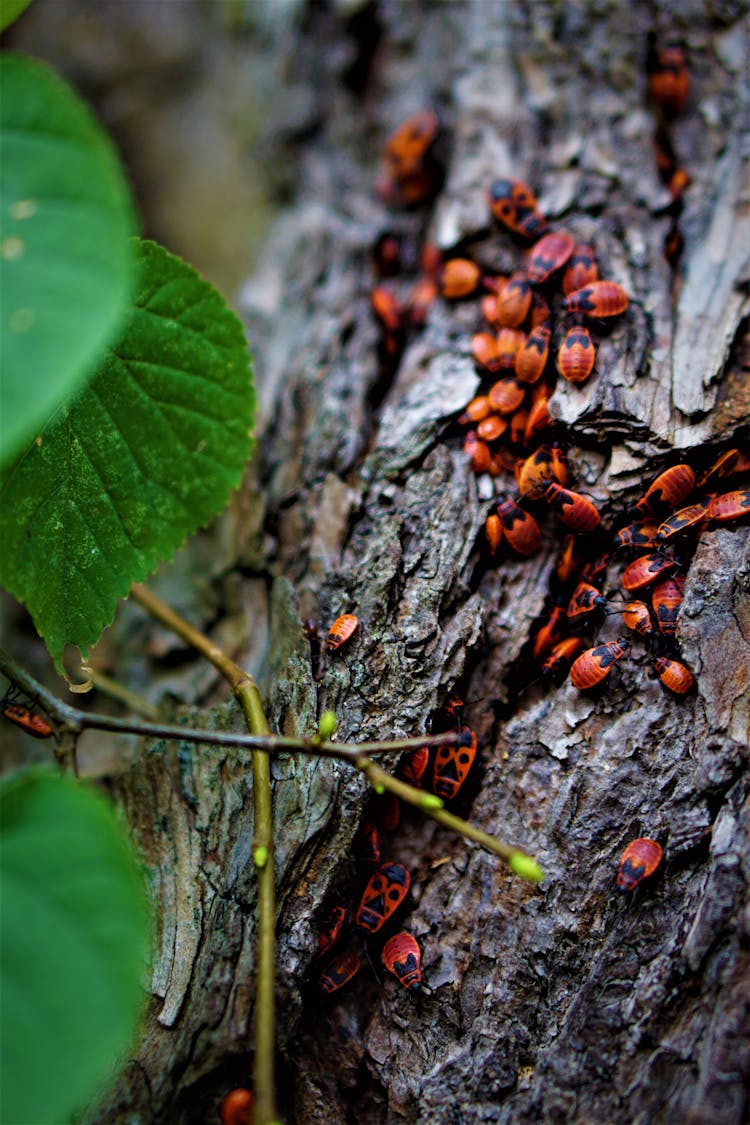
[
  {"x": 430, "y": 801},
  {"x": 526, "y": 867},
  {"x": 260, "y": 856},
  {"x": 379, "y": 789},
  {"x": 327, "y": 725}
]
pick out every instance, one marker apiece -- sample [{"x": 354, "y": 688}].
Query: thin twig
[{"x": 247, "y": 693}]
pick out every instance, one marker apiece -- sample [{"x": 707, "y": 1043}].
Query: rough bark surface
[{"x": 567, "y": 1002}]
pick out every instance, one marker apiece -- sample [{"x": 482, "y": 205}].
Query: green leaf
[
  {"x": 66, "y": 256},
  {"x": 144, "y": 456},
  {"x": 74, "y": 936},
  {"x": 10, "y": 10}
]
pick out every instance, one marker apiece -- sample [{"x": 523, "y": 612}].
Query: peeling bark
[{"x": 566, "y": 1002}]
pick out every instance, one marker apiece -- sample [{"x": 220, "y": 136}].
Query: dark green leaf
[
  {"x": 74, "y": 935},
  {"x": 145, "y": 455},
  {"x": 66, "y": 256}
]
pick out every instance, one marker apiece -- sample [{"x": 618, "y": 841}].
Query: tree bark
[{"x": 565, "y": 1002}]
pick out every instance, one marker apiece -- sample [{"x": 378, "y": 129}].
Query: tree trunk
[{"x": 563, "y": 1002}]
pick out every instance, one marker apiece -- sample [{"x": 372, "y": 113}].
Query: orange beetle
[
  {"x": 730, "y": 506},
  {"x": 541, "y": 314},
  {"x": 667, "y": 597},
  {"x": 568, "y": 562},
  {"x": 460, "y": 278},
  {"x": 599, "y": 299},
  {"x": 576, "y": 511},
  {"x": 595, "y": 664},
  {"x": 645, "y": 570},
  {"x": 488, "y": 305},
  {"x": 506, "y": 395},
  {"x": 539, "y": 418},
  {"x": 493, "y": 530},
  {"x": 576, "y": 355},
  {"x": 422, "y": 297},
  {"x": 367, "y": 846},
  {"x": 332, "y": 928},
  {"x": 561, "y": 655},
  {"x": 537, "y": 470},
  {"x": 549, "y": 633},
  {"x": 412, "y": 769},
  {"x": 549, "y": 254},
  {"x": 595, "y": 569},
  {"x": 639, "y": 861},
  {"x": 485, "y": 350},
  {"x": 674, "y": 675},
  {"x": 637, "y": 535},
  {"x": 30, "y": 721},
  {"x": 341, "y": 631},
  {"x": 341, "y": 970},
  {"x": 581, "y": 270},
  {"x": 492, "y": 427},
  {"x": 236, "y": 1107},
  {"x": 409, "y": 143},
  {"x": 478, "y": 451},
  {"x": 519, "y": 527},
  {"x": 475, "y": 410},
  {"x": 509, "y": 343},
  {"x": 514, "y": 302},
  {"x": 691, "y": 518},
  {"x": 730, "y": 462},
  {"x": 387, "y": 309},
  {"x": 586, "y": 598},
  {"x": 518, "y": 422},
  {"x": 637, "y": 617},
  {"x": 668, "y": 76},
  {"x": 531, "y": 359},
  {"x": 514, "y": 204},
  {"x": 385, "y": 891},
  {"x": 668, "y": 490},
  {"x": 453, "y": 765},
  {"x": 402, "y": 957}
]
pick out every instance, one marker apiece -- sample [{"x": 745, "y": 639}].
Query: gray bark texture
[{"x": 567, "y": 1002}]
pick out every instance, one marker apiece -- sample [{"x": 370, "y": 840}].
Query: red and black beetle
[
  {"x": 674, "y": 675},
  {"x": 576, "y": 511},
  {"x": 236, "y": 1107},
  {"x": 586, "y": 598},
  {"x": 332, "y": 928},
  {"x": 514, "y": 204},
  {"x": 595, "y": 664},
  {"x": 453, "y": 764},
  {"x": 636, "y": 616},
  {"x": 581, "y": 269},
  {"x": 385, "y": 891},
  {"x": 600, "y": 299},
  {"x": 549, "y": 255},
  {"x": 531, "y": 359},
  {"x": 576, "y": 355},
  {"x": 666, "y": 599},
  {"x": 519, "y": 527},
  {"x": 730, "y": 506},
  {"x": 402, "y": 957},
  {"x": 668, "y": 490},
  {"x": 645, "y": 570},
  {"x": 340, "y": 971},
  {"x": 341, "y": 630},
  {"x": 639, "y": 861},
  {"x": 30, "y": 721}
]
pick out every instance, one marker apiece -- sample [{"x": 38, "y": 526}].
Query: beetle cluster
[
  {"x": 379, "y": 890},
  {"x": 669, "y": 89}
]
